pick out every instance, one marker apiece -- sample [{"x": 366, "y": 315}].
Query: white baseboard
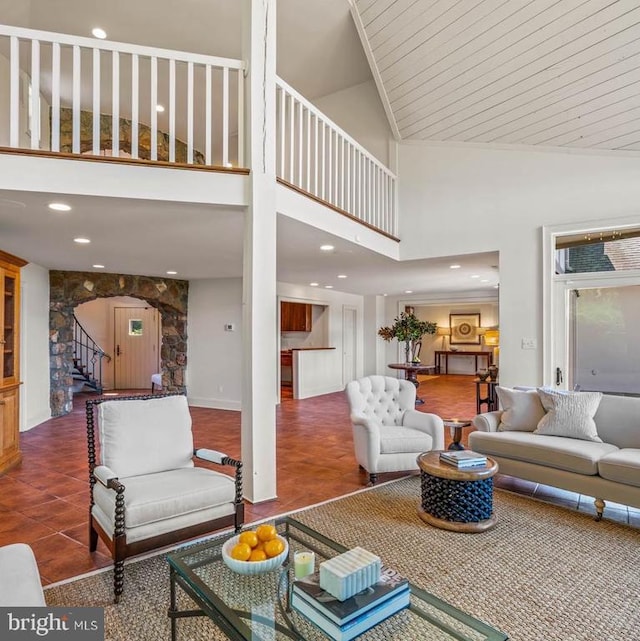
[
  {"x": 31, "y": 421},
  {"x": 214, "y": 403}
]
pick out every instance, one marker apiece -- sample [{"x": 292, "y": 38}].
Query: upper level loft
[{"x": 70, "y": 97}]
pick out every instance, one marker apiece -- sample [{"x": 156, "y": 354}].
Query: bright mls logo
[{"x": 24, "y": 624}]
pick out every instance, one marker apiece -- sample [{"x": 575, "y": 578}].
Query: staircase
[{"x": 87, "y": 360}]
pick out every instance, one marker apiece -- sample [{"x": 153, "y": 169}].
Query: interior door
[
  {"x": 137, "y": 331},
  {"x": 348, "y": 344}
]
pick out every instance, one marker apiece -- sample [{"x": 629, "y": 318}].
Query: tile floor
[{"x": 44, "y": 501}]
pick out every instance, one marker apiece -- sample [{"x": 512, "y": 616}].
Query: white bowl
[{"x": 252, "y": 567}]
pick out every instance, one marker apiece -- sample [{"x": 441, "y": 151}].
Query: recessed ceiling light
[
  {"x": 81, "y": 241},
  {"x": 99, "y": 33},
  {"x": 328, "y": 286},
  {"x": 327, "y": 248},
  {"x": 171, "y": 273},
  {"x": 475, "y": 276},
  {"x": 408, "y": 291},
  {"x": 313, "y": 284},
  {"x": 385, "y": 294},
  {"x": 454, "y": 266},
  {"x": 159, "y": 108},
  {"x": 484, "y": 280},
  {"x": 59, "y": 207},
  {"x": 98, "y": 266},
  {"x": 342, "y": 275}
]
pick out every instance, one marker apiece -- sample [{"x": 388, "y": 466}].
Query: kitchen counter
[{"x": 311, "y": 370}]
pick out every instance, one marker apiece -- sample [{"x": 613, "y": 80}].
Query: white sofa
[
  {"x": 19, "y": 577},
  {"x": 607, "y": 470}
]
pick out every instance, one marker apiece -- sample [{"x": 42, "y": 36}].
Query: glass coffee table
[{"x": 257, "y": 607}]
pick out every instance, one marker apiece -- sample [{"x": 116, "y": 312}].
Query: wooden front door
[{"x": 137, "y": 332}]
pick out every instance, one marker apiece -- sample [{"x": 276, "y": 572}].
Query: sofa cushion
[
  {"x": 618, "y": 420},
  {"x": 522, "y": 410},
  {"x": 569, "y": 414},
  {"x": 572, "y": 455},
  {"x": 622, "y": 466},
  {"x": 155, "y": 497},
  {"x": 398, "y": 440}
]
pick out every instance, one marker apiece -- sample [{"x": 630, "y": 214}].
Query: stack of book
[
  {"x": 344, "y": 620},
  {"x": 463, "y": 458}
]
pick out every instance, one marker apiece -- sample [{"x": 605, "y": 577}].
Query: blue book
[
  {"x": 359, "y": 624},
  {"x": 340, "y": 612}
]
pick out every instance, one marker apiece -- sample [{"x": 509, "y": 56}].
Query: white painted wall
[
  {"x": 457, "y": 199},
  {"x": 359, "y": 111},
  {"x": 34, "y": 346},
  {"x": 214, "y": 355}
]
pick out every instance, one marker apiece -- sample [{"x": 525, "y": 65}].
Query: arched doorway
[{"x": 69, "y": 289}]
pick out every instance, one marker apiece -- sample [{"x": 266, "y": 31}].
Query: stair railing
[{"x": 88, "y": 356}]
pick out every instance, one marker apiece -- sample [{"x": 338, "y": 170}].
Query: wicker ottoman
[{"x": 453, "y": 499}]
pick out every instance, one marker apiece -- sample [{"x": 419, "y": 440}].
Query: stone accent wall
[
  {"x": 124, "y": 133},
  {"x": 70, "y": 289}
]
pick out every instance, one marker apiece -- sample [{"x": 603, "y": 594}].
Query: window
[
  {"x": 135, "y": 327},
  {"x": 605, "y": 251}
]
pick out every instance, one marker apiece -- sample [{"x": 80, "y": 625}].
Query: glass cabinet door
[{"x": 8, "y": 317}]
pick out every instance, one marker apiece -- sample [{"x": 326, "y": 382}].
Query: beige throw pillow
[
  {"x": 522, "y": 410},
  {"x": 569, "y": 414}
]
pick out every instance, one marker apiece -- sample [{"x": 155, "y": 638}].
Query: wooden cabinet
[
  {"x": 295, "y": 317},
  {"x": 10, "y": 368}
]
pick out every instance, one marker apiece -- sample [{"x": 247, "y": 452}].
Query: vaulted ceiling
[{"x": 559, "y": 73}]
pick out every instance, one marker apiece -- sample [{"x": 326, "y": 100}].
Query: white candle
[{"x": 304, "y": 564}]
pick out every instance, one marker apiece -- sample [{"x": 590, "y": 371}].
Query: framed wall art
[{"x": 464, "y": 329}]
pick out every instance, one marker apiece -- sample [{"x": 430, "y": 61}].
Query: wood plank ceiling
[{"x": 559, "y": 73}]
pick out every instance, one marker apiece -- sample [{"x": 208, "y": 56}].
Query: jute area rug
[{"x": 544, "y": 573}]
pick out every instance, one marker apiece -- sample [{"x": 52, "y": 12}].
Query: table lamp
[{"x": 444, "y": 332}]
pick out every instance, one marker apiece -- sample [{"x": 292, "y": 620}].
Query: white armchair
[
  {"x": 388, "y": 432},
  {"x": 145, "y": 491}
]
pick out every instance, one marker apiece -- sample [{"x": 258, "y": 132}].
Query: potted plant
[{"x": 408, "y": 328}]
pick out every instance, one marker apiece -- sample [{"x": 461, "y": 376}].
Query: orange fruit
[
  {"x": 260, "y": 546},
  {"x": 274, "y": 547},
  {"x": 249, "y": 537},
  {"x": 266, "y": 532},
  {"x": 258, "y": 555},
  {"x": 240, "y": 552}
]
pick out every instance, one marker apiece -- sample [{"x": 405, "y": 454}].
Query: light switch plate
[{"x": 529, "y": 343}]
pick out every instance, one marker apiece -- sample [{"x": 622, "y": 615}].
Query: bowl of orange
[{"x": 255, "y": 551}]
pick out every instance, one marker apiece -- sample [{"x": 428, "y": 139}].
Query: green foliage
[{"x": 407, "y": 327}]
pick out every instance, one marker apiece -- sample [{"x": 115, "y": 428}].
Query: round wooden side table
[
  {"x": 456, "y": 425},
  {"x": 455, "y": 499}
]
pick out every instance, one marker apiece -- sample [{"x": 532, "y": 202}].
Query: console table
[{"x": 444, "y": 356}]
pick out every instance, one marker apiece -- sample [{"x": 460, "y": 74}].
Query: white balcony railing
[
  {"x": 83, "y": 95},
  {"x": 316, "y": 156},
  {"x": 78, "y": 95}
]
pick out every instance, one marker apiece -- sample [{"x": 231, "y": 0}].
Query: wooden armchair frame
[{"x": 118, "y": 546}]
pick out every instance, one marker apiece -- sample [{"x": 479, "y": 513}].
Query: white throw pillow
[
  {"x": 522, "y": 410},
  {"x": 569, "y": 414}
]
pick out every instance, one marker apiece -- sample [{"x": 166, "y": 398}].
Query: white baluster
[
  {"x": 14, "y": 82},
  {"x": 291, "y": 136},
  {"x": 208, "y": 114},
  {"x": 299, "y": 183},
  {"x": 115, "y": 104},
  {"x": 75, "y": 143},
  {"x": 135, "y": 105},
  {"x": 95, "y": 116},
  {"x": 55, "y": 97},
  {"x": 225, "y": 116},
  {"x": 154, "y": 114},
  {"x": 308, "y": 125},
  {"x": 172, "y": 110},
  {"x": 190, "y": 113},
  {"x": 35, "y": 94},
  {"x": 240, "y": 118}
]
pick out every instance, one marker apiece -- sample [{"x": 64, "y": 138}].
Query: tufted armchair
[
  {"x": 145, "y": 491},
  {"x": 388, "y": 432}
]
